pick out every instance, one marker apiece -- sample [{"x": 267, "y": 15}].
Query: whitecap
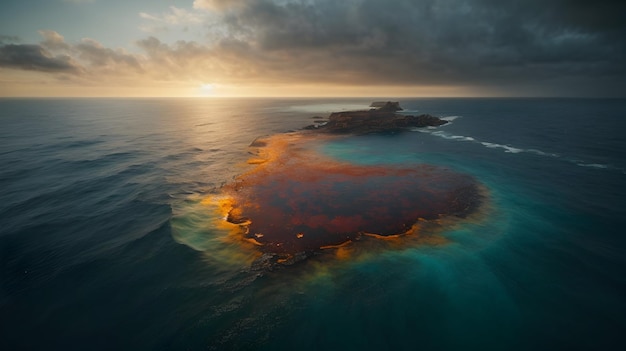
[
  {"x": 593, "y": 165},
  {"x": 423, "y": 130},
  {"x": 450, "y": 118},
  {"x": 453, "y": 137},
  {"x": 542, "y": 153},
  {"x": 506, "y": 148},
  {"x": 511, "y": 149}
]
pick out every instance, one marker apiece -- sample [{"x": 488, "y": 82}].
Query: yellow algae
[
  {"x": 253, "y": 241},
  {"x": 223, "y": 204},
  {"x": 256, "y": 161},
  {"x": 343, "y": 253},
  {"x": 327, "y": 247},
  {"x": 383, "y": 237},
  {"x": 220, "y": 241}
]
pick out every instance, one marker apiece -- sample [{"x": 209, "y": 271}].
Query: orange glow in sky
[{"x": 293, "y": 48}]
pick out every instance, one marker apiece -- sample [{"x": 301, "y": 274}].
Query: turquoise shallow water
[
  {"x": 105, "y": 241},
  {"x": 532, "y": 272}
]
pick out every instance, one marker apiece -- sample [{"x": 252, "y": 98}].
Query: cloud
[
  {"x": 217, "y": 5},
  {"x": 80, "y": 1},
  {"x": 53, "y": 40},
  {"x": 529, "y": 46},
  {"x": 430, "y": 41},
  {"x": 148, "y": 16},
  {"x": 88, "y": 58},
  {"x": 96, "y": 56},
  {"x": 35, "y": 58},
  {"x": 175, "y": 16}
]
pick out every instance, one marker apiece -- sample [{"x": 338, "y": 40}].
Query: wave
[
  {"x": 453, "y": 137},
  {"x": 450, "y": 118},
  {"x": 511, "y": 149},
  {"x": 542, "y": 153},
  {"x": 506, "y": 148},
  {"x": 599, "y": 166},
  {"x": 593, "y": 165}
]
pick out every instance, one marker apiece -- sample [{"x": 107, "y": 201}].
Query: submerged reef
[
  {"x": 296, "y": 201},
  {"x": 301, "y": 206}
]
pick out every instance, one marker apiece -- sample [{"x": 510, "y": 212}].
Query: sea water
[{"x": 106, "y": 241}]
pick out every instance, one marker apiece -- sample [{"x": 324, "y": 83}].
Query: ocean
[{"x": 106, "y": 242}]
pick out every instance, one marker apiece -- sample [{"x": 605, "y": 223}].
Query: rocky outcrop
[
  {"x": 382, "y": 118},
  {"x": 386, "y": 106}
]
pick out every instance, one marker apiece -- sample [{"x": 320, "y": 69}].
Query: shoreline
[{"x": 296, "y": 202}]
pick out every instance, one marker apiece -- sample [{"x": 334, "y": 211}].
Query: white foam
[
  {"x": 428, "y": 130},
  {"x": 506, "y": 148},
  {"x": 450, "y": 118},
  {"x": 593, "y": 165},
  {"x": 541, "y": 153},
  {"x": 464, "y": 138},
  {"x": 452, "y": 137}
]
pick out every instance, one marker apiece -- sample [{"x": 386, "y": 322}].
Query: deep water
[{"x": 106, "y": 241}]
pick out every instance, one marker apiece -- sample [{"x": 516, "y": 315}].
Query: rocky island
[
  {"x": 382, "y": 117},
  {"x": 297, "y": 202}
]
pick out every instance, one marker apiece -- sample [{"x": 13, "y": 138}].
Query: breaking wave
[
  {"x": 506, "y": 148},
  {"x": 593, "y": 165},
  {"x": 509, "y": 148},
  {"x": 450, "y": 118}
]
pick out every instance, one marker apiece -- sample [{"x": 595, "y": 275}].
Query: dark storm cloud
[
  {"x": 601, "y": 15},
  {"x": 516, "y": 47},
  {"x": 88, "y": 58},
  {"x": 439, "y": 41},
  {"x": 35, "y": 58}
]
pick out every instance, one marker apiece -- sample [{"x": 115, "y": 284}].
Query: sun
[{"x": 207, "y": 89}]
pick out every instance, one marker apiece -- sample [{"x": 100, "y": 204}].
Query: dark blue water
[{"x": 106, "y": 243}]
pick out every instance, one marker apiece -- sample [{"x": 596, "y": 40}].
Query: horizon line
[{"x": 312, "y": 97}]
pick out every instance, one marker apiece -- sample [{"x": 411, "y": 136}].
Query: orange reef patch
[{"x": 296, "y": 200}]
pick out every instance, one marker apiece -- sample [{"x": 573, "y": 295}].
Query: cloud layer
[{"x": 564, "y": 47}]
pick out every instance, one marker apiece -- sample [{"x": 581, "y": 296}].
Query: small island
[{"x": 382, "y": 117}]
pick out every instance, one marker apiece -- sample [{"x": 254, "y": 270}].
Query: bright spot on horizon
[{"x": 207, "y": 89}]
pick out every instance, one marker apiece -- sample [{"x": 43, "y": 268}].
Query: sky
[{"x": 400, "y": 48}]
